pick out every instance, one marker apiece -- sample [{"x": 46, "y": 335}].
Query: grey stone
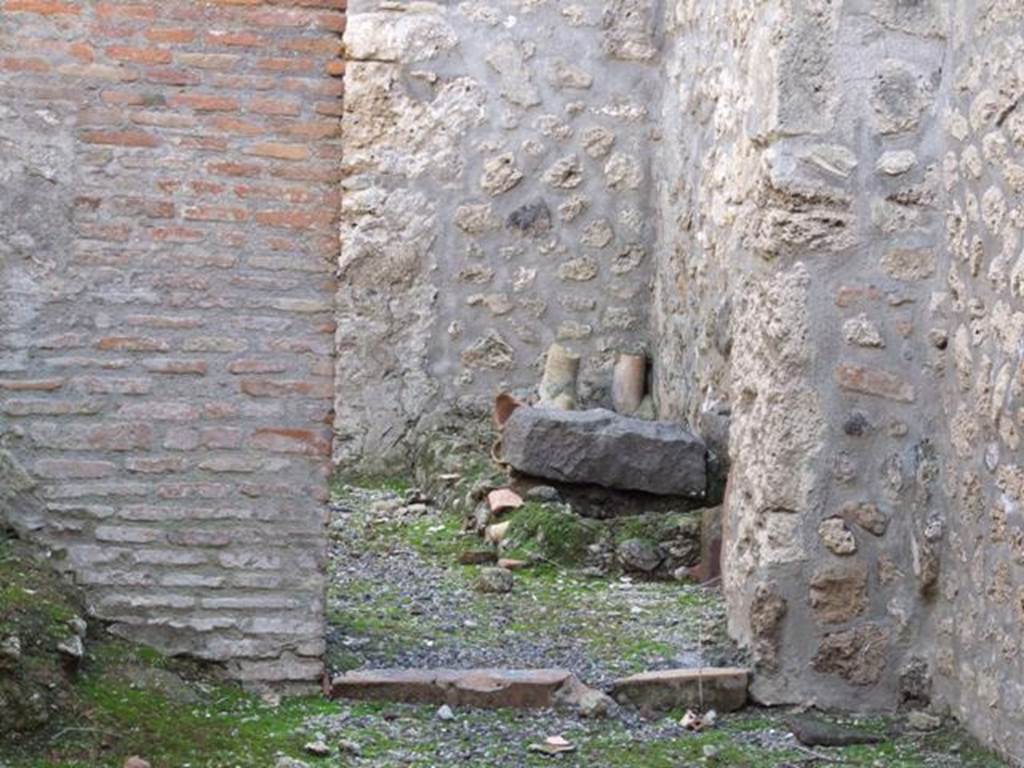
[
  {"x": 603, "y": 448},
  {"x": 494, "y": 581},
  {"x": 721, "y": 689},
  {"x": 545, "y": 494},
  {"x": 531, "y": 219},
  {"x": 815, "y": 732},
  {"x": 639, "y": 555}
]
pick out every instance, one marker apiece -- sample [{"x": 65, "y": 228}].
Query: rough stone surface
[
  {"x": 478, "y": 157},
  {"x": 724, "y": 690},
  {"x": 600, "y": 447}
]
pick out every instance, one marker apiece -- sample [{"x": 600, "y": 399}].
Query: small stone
[
  {"x": 445, "y": 713},
  {"x": 814, "y": 732},
  {"x": 566, "y": 173},
  {"x": 922, "y": 721},
  {"x": 598, "y": 141},
  {"x": 478, "y": 557},
  {"x": 639, "y": 555},
  {"x": 500, "y": 174},
  {"x": 496, "y": 581},
  {"x": 512, "y": 565},
  {"x": 594, "y": 703},
  {"x": 896, "y": 163},
  {"x": 79, "y": 626},
  {"x": 503, "y": 500},
  {"x": 317, "y": 748},
  {"x": 710, "y": 751},
  {"x": 545, "y": 494},
  {"x": 284, "y": 762},
  {"x": 861, "y": 332},
  {"x": 837, "y": 537},
  {"x": 135, "y": 762},
  {"x": 532, "y": 219},
  {"x": 10, "y": 648},
  {"x": 72, "y": 647},
  {"x": 350, "y": 747}
]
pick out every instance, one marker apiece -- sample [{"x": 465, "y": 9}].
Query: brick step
[
  {"x": 720, "y": 688},
  {"x": 485, "y": 688}
]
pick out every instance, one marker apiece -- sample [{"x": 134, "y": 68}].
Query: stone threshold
[{"x": 722, "y": 689}]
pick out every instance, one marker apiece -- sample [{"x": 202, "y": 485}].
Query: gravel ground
[{"x": 394, "y": 603}]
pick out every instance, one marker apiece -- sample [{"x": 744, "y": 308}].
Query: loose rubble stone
[
  {"x": 494, "y": 581},
  {"x": 723, "y": 689},
  {"x": 815, "y": 732},
  {"x": 639, "y": 555},
  {"x": 924, "y": 722},
  {"x": 603, "y": 448},
  {"x": 837, "y": 537}
]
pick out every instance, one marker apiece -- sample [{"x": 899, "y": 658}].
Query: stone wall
[
  {"x": 168, "y": 213},
  {"x": 979, "y": 323},
  {"x": 497, "y": 199}
]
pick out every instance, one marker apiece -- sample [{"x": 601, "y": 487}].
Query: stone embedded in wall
[
  {"x": 628, "y": 259},
  {"x": 629, "y": 29},
  {"x": 532, "y": 219},
  {"x": 899, "y": 97},
  {"x": 623, "y": 172},
  {"x": 918, "y": 17},
  {"x": 500, "y": 174},
  {"x": 862, "y": 332},
  {"x": 509, "y": 59},
  {"x": 897, "y": 162},
  {"x": 597, "y": 234},
  {"x": 836, "y": 537},
  {"x": 909, "y": 264},
  {"x": 767, "y": 612},
  {"x": 578, "y": 270},
  {"x": 858, "y": 655},
  {"x": 562, "y": 74},
  {"x": 867, "y": 516},
  {"x": 839, "y": 594},
  {"x": 874, "y": 382},
  {"x": 565, "y": 173},
  {"x": 489, "y": 351},
  {"x": 476, "y": 219},
  {"x": 571, "y": 209},
  {"x": 807, "y": 86},
  {"x": 597, "y": 142},
  {"x": 389, "y": 36}
]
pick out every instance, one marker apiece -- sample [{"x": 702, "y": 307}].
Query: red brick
[
  {"x": 279, "y": 151},
  {"x": 125, "y": 11},
  {"x": 288, "y": 219},
  {"x": 285, "y": 64},
  {"x": 214, "y": 213},
  {"x": 284, "y": 440},
  {"x": 235, "y": 169},
  {"x": 203, "y": 102},
  {"x": 269, "y": 106},
  {"x": 31, "y": 385},
  {"x": 16, "y": 64},
  {"x": 170, "y": 76},
  {"x": 73, "y": 469},
  {"x": 132, "y": 344},
  {"x": 217, "y": 61},
  {"x": 170, "y": 34},
  {"x": 249, "y": 366},
  {"x": 42, "y": 7},
  {"x": 235, "y": 39},
  {"x": 138, "y": 55},
  {"x": 237, "y": 127},
  {"x": 284, "y": 388},
  {"x": 176, "y": 367},
  {"x": 177, "y": 234},
  {"x": 121, "y": 138},
  {"x": 875, "y": 382}
]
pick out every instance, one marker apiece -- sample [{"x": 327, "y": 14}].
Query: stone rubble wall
[
  {"x": 978, "y": 315},
  {"x": 497, "y": 198},
  {"x": 168, "y": 239}
]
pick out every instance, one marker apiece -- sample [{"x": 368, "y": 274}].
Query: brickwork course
[{"x": 167, "y": 250}]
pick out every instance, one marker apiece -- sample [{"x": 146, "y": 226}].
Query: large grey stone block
[{"x": 606, "y": 449}]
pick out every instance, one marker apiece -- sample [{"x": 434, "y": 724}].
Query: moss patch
[{"x": 552, "y": 533}]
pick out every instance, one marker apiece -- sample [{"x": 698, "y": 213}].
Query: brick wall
[{"x": 168, "y": 207}]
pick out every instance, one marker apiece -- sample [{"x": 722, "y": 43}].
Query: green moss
[
  {"x": 377, "y": 482},
  {"x": 551, "y": 533}
]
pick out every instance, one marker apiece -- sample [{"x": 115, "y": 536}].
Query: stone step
[
  {"x": 486, "y": 688},
  {"x": 720, "y": 688}
]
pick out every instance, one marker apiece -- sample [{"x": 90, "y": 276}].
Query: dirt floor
[{"x": 399, "y": 596}]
